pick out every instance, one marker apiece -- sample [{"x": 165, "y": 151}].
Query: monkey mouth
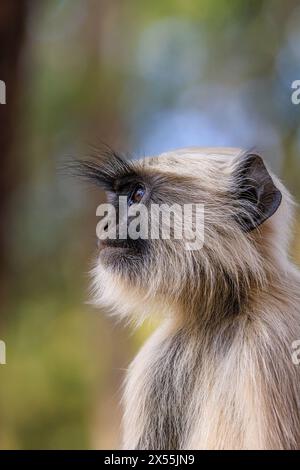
[
  {"x": 111, "y": 245},
  {"x": 114, "y": 247},
  {"x": 121, "y": 253}
]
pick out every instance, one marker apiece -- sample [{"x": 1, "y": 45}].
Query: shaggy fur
[{"x": 217, "y": 373}]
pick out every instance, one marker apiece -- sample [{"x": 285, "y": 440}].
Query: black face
[
  {"x": 120, "y": 250},
  {"x": 119, "y": 178}
]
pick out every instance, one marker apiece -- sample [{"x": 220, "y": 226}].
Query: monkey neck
[{"x": 225, "y": 300}]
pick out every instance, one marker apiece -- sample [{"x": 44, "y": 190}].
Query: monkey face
[{"x": 237, "y": 195}]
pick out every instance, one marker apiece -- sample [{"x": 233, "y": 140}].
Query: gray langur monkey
[{"x": 218, "y": 372}]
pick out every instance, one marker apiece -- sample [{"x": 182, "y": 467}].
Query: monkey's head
[{"x": 224, "y": 200}]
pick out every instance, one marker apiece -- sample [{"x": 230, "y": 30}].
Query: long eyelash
[{"x": 103, "y": 168}]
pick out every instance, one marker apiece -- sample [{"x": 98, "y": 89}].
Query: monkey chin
[
  {"x": 117, "y": 286},
  {"x": 115, "y": 258}
]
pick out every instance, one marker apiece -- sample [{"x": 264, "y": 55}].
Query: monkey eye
[{"x": 136, "y": 195}]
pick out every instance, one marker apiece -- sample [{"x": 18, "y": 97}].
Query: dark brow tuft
[{"x": 103, "y": 168}]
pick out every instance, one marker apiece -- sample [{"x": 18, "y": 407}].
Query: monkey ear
[{"x": 258, "y": 198}]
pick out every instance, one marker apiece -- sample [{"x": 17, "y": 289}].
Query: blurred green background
[{"x": 144, "y": 77}]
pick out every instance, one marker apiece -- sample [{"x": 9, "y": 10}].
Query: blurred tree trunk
[
  {"x": 106, "y": 16},
  {"x": 12, "y": 27}
]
